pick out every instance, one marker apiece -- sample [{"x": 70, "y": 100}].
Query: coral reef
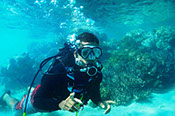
[
  {"x": 19, "y": 72},
  {"x": 143, "y": 63},
  {"x": 21, "y": 69}
]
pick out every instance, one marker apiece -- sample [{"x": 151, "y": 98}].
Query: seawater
[{"x": 23, "y": 22}]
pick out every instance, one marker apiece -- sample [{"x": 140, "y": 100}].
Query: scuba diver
[{"x": 72, "y": 79}]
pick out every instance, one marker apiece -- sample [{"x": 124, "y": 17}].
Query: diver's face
[{"x": 89, "y": 52}]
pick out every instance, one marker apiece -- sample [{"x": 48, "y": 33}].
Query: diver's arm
[
  {"x": 46, "y": 97},
  {"x": 46, "y": 104},
  {"x": 94, "y": 90},
  {"x": 95, "y": 96}
]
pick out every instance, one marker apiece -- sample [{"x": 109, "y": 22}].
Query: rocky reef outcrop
[{"x": 142, "y": 63}]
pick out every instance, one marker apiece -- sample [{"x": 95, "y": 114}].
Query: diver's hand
[
  {"x": 106, "y": 105},
  {"x": 70, "y": 103}
]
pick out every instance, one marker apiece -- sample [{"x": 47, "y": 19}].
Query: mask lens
[
  {"x": 85, "y": 52},
  {"x": 97, "y": 52}
]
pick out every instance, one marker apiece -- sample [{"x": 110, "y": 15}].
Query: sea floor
[{"x": 160, "y": 105}]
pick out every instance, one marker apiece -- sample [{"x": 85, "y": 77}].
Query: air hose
[
  {"x": 79, "y": 105},
  {"x": 41, "y": 65}
]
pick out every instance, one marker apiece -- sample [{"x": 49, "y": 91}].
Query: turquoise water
[{"x": 24, "y": 22}]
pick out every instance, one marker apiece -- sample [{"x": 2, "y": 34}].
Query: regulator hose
[{"x": 40, "y": 68}]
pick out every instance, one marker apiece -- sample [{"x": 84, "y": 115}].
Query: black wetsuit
[{"x": 55, "y": 88}]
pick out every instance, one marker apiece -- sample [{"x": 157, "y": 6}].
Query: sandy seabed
[{"x": 160, "y": 105}]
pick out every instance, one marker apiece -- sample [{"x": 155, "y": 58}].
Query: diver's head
[{"x": 87, "y": 49}]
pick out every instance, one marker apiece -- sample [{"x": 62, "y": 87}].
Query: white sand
[{"x": 160, "y": 105}]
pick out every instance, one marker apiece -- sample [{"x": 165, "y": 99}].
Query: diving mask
[{"x": 90, "y": 52}]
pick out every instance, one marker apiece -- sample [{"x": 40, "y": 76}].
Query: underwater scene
[{"x": 137, "y": 38}]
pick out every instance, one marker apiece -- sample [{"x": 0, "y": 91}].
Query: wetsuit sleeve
[
  {"x": 46, "y": 104},
  {"x": 47, "y": 96},
  {"x": 94, "y": 91}
]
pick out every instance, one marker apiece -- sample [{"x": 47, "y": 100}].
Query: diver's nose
[{"x": 91, "y": 56}]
